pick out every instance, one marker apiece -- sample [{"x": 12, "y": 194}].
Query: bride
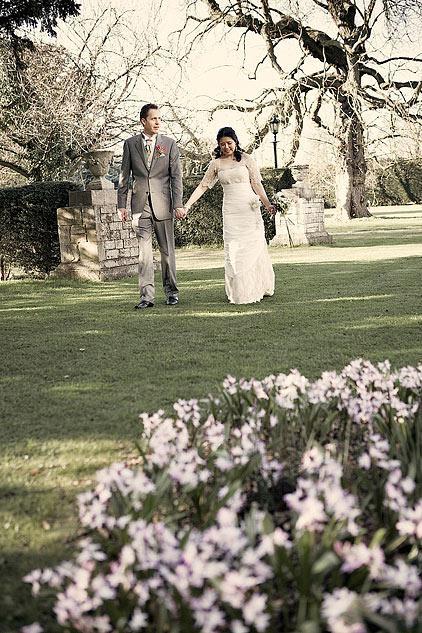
[{"x": 249, "y": 275}]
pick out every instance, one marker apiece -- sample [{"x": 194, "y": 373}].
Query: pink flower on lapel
[{"x": 161, "y": 150}]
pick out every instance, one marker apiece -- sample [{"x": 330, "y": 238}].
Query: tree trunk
[
  {"x": 351, "y": 164},
  {"x": 4, "y": 271},
  {"x": 350, "y": 167}
]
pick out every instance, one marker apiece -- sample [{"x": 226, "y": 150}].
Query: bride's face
[{"x": 227, "y": 146}]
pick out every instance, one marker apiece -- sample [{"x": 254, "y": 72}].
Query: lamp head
[{"x": 274, "y": 124}]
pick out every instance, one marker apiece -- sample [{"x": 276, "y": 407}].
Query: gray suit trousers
[{"x": 144, "y": 224}]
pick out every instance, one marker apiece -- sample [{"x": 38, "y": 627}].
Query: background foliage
[
  {"x": 28, "y": 225},
  {"x": 388, "y": 182},
  {"x": 398, "y": 182}
]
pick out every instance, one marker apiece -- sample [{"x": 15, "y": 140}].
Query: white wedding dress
[{"x": 249, "y": 275}]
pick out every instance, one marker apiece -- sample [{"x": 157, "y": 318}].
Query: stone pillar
[
  {"x": 303, "y": 220},
  {"x": 94, "y": 243}
]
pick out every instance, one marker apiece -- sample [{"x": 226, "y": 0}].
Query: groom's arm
[{"x": 123, "y": 182}]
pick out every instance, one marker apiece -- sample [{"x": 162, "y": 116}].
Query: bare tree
[
  {"x": 59, "y": 102},
  {"x": 341, "y": 72}
]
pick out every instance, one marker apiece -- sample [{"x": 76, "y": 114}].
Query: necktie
[{"x": 148, "y": 142}]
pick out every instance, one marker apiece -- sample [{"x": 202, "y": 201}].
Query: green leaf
[
  {"x": 325, "y": 563},
  {"x": 268, "y": 524},
  {"x": 396, "y": 543},
  {"x": 309, "y": 627},
  {"x": 378, "y": 537},
  {"x": 386, "y": 624}
]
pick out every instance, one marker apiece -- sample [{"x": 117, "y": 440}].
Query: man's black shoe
[
  {"x": 172, "y": 301},
  {"x": 144, "y": 304}
]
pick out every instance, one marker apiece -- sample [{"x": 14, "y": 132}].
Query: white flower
[
  {"x": 336, "y": 604},
  {"x": 255, "y": 204},
  {"x": 360, "y": 555},
  {"x": 365, "y": 461},
  {"x": 254, "y": 608},
  {"x": 102, "y": 624},
  {"x": 234, "y": 586},
  {"x": 34, "y": 578},
  {"x": 102, "y": 589},
  {"x": 32, "y": 628},
  {"x": 312, "y": 460},
  {"x": 138, "y": 621},
  {"x": 311, "y": 515},
  {"x": 223, "y": 463},
  {"x": 403, "y": 576},
  {"x": 226, "y": 517},
  {"x": 281, "y": 538}
]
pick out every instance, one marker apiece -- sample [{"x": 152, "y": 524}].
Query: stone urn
[
  {"x": 98, "y": 162},
  {"x": 301, "y": 174}
]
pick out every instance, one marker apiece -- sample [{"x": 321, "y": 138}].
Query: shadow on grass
[
  {"x": 379, "y": 234},
  {"x": 14, "y": 564},
  {"x": 88, "y": 365}
]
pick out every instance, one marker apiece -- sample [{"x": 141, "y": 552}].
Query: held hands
[
  {"x": 123, "y": 214},
  {"x": 272, "y": 210},
  {"x": 180, "y": 213}
]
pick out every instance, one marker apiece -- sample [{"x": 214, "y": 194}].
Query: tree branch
[
  {"x": 16, "y": 168},
  {"x": 316, "y": 42}
]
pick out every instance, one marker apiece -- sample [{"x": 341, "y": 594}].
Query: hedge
[
  {"x": 204, "y": 224},
  {"x": 28, "y": 225},
  {"x": 397, "y": 183}
]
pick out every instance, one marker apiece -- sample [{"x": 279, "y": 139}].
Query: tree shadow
[{"x": 91, "y": 363}]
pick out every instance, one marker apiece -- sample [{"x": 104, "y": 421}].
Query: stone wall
[{"x": 94, "y": 243}]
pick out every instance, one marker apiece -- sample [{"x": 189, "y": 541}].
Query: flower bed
[{"x": 280, "y": 505}]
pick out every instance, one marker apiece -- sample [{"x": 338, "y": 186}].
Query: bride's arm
[
  {"x": 256, "y": 183},
  {"x": 207, "y": 182},
  {"x": 195, "y": 195}
]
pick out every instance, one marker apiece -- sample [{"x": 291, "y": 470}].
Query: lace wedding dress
[{"x": 249, "y": 275}]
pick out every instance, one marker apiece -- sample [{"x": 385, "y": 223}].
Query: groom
[{"x": 153, "y": 160}]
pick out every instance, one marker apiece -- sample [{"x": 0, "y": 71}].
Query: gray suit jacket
[{"x": 162, "y": 180}]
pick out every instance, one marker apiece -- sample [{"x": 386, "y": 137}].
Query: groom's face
[{"x": 152, "y": 122}]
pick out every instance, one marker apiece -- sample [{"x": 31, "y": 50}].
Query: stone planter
[
  {"x": 98, "y": 162},
  {"x": 300, "y": 172}
]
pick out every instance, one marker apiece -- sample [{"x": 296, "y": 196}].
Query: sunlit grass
[{"x": 79, "y": 364}]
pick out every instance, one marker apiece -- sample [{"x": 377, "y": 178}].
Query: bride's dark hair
[{"x": 228, "y": 131}]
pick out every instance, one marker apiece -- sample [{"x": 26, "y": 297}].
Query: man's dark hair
[{"x": 146, "y": 108}]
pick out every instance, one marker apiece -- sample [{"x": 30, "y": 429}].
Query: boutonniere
[{"x": 161, "y": 150}]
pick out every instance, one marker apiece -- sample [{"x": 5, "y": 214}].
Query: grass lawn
[{"x": 79, "y": 365}]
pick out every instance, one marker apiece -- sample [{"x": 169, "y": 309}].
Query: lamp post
[{"x": 274, "y": 124}]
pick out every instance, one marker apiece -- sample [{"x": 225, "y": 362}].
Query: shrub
[
  {"x": 396, "y": 183},
  {"x": 279, "y": 505},
  {"x": 28, "y": 225}
]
